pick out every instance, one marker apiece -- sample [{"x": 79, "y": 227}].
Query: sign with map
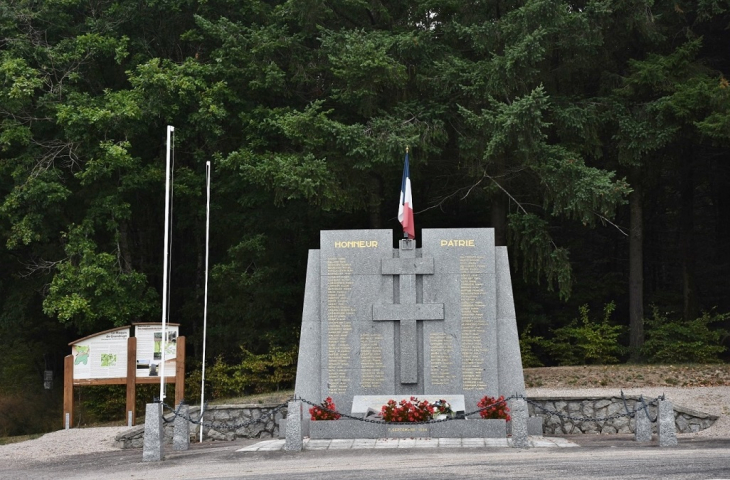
[
  {"x": 150, "y": 346},
  {"x": 103, "y": 355}
]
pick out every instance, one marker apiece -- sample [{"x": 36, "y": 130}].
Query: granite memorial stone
[
  {"x": 518, "y": 407},
  {"x": 181, "y": 429},
  {"x": 666, "y": 428},
  {"x": 294, "y": 441},
  {"x": 408, "y": 321},
  {"x": 154, "y": 433},
  {"x": 642, "y": 423}
]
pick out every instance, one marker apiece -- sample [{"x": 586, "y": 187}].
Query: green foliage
[
  {"x": 586, "y": 341},
  {"x": 681, "y": 341},
  {"x": 92, "y": 286},
  {"x": 540, "y": 256},
  {"x": 255, "y": 373},
  {"x": 524, "y": 113},
  {"x": 527, "y": 344}
]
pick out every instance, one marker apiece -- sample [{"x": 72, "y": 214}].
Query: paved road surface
[{"x": 603, "y": 457}]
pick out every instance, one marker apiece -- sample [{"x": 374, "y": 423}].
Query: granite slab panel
[
  {"x": 346, "y": 429},
  {"x": 308, "y": 382},
  {"x": 470, "y": 429},
  {"x": 362, "y": 249},
  {"x": 447, "y": 245},
  {"x": 404, "y": 430},
  {"x": 511, "y": 375}
]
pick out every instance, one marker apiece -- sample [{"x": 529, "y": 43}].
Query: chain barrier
[
  {"x": 176, "y": 412},
  {"x": 628, "y": 414},
  {"x": 265, "y": 417},
  {"x": 645, "y": 407}
]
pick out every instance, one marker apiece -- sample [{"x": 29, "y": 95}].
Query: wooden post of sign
[
  {"x": 131, "y": 380},
  {"x": 68, "y": 391},
  {"x": 180, "y": 371}
]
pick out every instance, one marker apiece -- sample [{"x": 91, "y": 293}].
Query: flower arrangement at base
[
  {"x": 326, "y": 411},
  {"x": 442, "y": 407},
  {"x": 413, "y": 410},
  {"x": 494, "y": 408}
]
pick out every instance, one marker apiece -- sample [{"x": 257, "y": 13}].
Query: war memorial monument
[{"x": 384, "y": 323}]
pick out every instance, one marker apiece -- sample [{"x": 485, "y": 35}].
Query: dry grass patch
[{"x": 627, "y": 376}]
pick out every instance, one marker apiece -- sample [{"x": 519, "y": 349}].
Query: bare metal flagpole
[
  {"x": 205, "y": 300},
  {"x": 165, "y": 255}
]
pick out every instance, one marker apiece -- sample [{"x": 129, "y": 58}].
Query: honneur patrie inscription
[
  {"x": 441, "y": 359},
  {"x": 339, "y": 285},
  {"x": 357, "y": 244},
  {"x": 457, "y": 243},
  {"x": 473, "y": 321},
  {"x": 372, "y": 369}
]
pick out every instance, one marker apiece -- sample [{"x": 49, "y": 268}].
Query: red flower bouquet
[
  {"x": 326, "y": 411},
  {"x": 413, "y": 410},
  {"x": 494, "y": 408}
]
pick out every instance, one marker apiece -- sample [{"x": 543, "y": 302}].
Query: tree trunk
[
  {"x": 124, "y": 251},
  {"x": 375, "y": 200},
  {"x": 499, "y": 219},
  {"x": 686, "y": 240},
  {"x": 498, "y": 209},
  {"x": 636, "y": 267}
]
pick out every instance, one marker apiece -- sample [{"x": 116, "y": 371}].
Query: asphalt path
[{"x": 602, "y": 457}]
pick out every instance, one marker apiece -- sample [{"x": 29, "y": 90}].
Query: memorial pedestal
[{"x": 331, "y": 429}]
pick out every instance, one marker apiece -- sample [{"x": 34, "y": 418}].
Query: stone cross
[{"x": 408, "y": 312}]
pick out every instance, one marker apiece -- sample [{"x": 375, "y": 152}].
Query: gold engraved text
[
  {"x": 457, "y": 243},
  {"x": 357, "y": 244}
]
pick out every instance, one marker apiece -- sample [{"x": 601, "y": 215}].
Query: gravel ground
[
  {"x": 60, "y": 444},
  {"x": 714, "y": 400}
]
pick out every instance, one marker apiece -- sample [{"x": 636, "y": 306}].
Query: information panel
[
  {"x": 103, "y": 355},
  {"x": 149, "y": 349}
]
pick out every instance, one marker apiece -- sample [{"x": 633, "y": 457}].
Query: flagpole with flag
[{"x": 405, "y": 208}]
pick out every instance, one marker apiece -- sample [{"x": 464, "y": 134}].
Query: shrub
[
  {"x": 527, "y": 342},
  {"x": 586, "y": 341},
  {"x": 255, "y": 373},
  {"x": 325, "y": 411},
  {"x": 679, "y": 341},
  {"x": 494, "y": 408}
]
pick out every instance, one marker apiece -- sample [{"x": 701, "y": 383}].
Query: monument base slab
[{"x": 351, "y": 429}]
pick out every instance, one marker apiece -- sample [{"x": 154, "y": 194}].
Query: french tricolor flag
[{"x": 405, "y": 208}]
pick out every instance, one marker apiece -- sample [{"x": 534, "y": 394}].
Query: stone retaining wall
[
  {"x": 686, "y": 420},
  {"x": 228, "y": 415}
]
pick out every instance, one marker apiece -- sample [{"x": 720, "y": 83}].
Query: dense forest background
[{"x": 594, "y": 136}]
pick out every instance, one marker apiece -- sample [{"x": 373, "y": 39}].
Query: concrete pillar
[
  {"x": 294, "y": 439},
  {"x": 181, "y": 429},
  {"x": 666, "y": 427},
  {"x": 642, "y": 423},
  {"x": 518, "y": 412},
  {"x": 154, "y": 433}
]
